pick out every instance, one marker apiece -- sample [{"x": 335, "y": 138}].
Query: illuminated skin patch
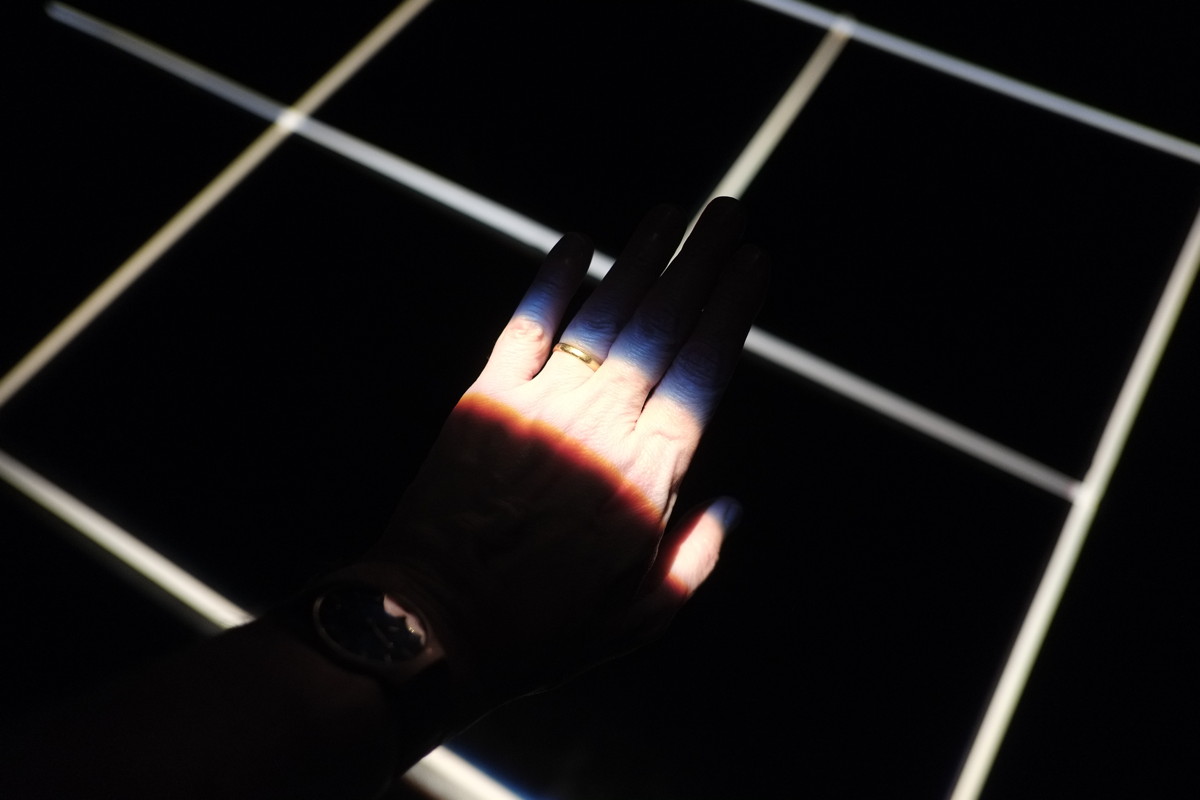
[
  {"x": 608, "y": 309},
  {"x": 536, "y": 553},
  {"x": 704, "y": 365},
  {"x": 536, "y": 536},
  {"x": 546, "y": 300}
]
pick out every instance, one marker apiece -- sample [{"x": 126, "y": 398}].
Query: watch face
[{"x": 366, "y": 624}]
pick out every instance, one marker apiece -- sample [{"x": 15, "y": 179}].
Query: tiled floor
[{"x": 251, "y": 406}]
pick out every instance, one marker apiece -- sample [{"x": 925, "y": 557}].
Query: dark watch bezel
[{"x": 351, "y": 622}]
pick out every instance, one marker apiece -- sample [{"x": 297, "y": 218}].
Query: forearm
[{"x": 256, "y": 712}]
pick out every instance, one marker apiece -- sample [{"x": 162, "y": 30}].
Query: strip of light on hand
[{"x": 994, "y": 81}]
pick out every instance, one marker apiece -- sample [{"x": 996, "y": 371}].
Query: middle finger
[{"x": 664, "y": 320}]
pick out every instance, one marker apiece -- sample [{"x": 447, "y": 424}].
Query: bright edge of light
[{"x": 442, "y": 773}]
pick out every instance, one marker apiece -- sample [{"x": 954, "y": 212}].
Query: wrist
[
  {"x": 370, "y": 622},
  {"x": 400, "y": 588}
]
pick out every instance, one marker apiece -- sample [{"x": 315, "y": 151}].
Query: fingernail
[{"x": 729, "y": 511}]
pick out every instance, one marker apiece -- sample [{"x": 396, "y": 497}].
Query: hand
[{"x": 535, "y": 537}]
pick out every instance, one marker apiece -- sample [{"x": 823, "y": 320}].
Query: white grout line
[
  {"x": 1025, "y": 649},
  {"x": 783, "y": 353},
  {"x": 890, "y": 404},
  {"x": 988, "y": 79},
  {"x": 453, "y": 773},
  {"x": 115, "y": 284},
  {"x": 789, "y": 106},
  {"x": 187, "y": 217},
  {"x": 442, "y": 773},
  {"x": 760, "y": 147},
  {"x": 541, "y": 237},
  {"x": 806, "y": 12},
  {"x": 296, "y": 119},
  {"x": 1086, "y": 495},
  {"x": 455, "y": 196},
  {"x": 148, "y": 562}
]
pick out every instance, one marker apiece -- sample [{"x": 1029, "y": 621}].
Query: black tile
[
  {"x": 108, "y": 150},
  {"x": 574, "y": 114},
  {"x": 276, "y": 47},
  {"x": 240, "y": 407},
  {"x": 1138, "y": 63},
  {"x": 988, "y": 260},
  {"x": 845, "y": 644},
  {"x": 241, "y": 413},
  {"x": 253, "y": 403},
  {"x": 1111, "y": 705},
  {"x": 72, "y": 623}
]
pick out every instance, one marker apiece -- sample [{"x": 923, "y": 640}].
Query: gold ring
[{"x": 580, "y": 353}]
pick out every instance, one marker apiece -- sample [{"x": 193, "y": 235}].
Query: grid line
[
  {"x": 1085, "y": 496},
  {"x": 441, "y": 774},
  {"x": 1050, "y": 590},
  {"x": 208, "y": 197},
  {"x": 994, "y": 81},
  {"x": 534, "y": 234},
  {"x": 210, "y": 611},
  {"x": 748, "y": 164},
  {"x": 446, "y": 775}
]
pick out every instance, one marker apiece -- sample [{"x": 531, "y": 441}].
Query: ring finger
[{"x": 590, "y": 334}]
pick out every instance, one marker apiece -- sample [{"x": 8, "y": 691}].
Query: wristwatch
[
  {"x": 366, "y": 629},
  {"x": 360, "y": 619}
]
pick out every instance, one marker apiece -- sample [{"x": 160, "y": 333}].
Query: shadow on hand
[{"x": 533, "y": 557}]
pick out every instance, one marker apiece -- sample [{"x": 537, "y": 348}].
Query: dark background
[{"x": 253, "y": 405}]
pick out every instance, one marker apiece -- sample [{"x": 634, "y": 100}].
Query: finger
[
  {"x": 524, "y": 344},
  {"x": 702, "y": 368},
  {"x": 698, "y": 545},
  {"x": 687, "y": 556},
  {"x": 663, "y": 321},
  {"x": 641, "y": 262}
]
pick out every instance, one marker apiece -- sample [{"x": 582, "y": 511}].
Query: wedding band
[{"x": 581, "y": 354}]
